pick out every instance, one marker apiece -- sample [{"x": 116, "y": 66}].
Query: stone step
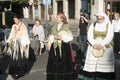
[{"x": 74, "y": 30}]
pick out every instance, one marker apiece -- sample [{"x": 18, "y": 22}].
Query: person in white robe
[
  {"x": 19, "y": 33},
  {"x": 100, "y": 36},
  {"x": 18, "y": 42},
  {"x": 38, "y": 30}
]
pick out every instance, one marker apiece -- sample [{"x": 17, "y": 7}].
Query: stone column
[
  {"x": 54, "y": 9},
  {"x": 100, "y": 4},
  {"x": 46, "y": 12},
  {"x": 94, "y": 9},
  {"x": 39, "y": 12},
  {"x": 33, "y": 12},
  {"x": 97, "y": 7},
  {"x": 65, "y": 8},
  {"x": 77, "y": 9},
  {"x": 3, "y": 18}
]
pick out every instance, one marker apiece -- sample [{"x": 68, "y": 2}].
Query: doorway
[
  {"x": 111, "y": 7},
  {"x": 71, "y": 9},
  {"x": 60, "y": 6}
]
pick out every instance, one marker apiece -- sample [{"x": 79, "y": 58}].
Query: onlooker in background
[
  {"x": 38, "y": 31},
  {"x": 108, "y": 13},
  {"x": 82, "y": 37},
  {"x": 82, "y": 31},
  {"x": 116, "y": 26},
  {"x": 99, "y": 63}
]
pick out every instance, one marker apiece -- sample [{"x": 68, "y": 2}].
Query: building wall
[
  {"x": 96, "y": 6},
  {"x": 74, "y": 8}
]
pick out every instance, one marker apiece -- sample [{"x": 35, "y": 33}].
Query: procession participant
[{"x": 60, "y": 64}]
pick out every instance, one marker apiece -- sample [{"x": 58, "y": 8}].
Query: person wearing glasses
[{"x": 99, "y": 62}]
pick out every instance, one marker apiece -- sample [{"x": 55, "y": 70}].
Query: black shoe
[{"x": 15, "y": 76}]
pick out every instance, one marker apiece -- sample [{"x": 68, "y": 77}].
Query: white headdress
[{"x": 105, "y": 17}]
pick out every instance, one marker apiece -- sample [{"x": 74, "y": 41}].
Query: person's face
[
  {"x": 58, "y": 19},
  {"x": 116, "y": 16},
  {"x": 16, "y": 20},
  {"x": 100, "y": 19},
  {"x": 37, "y": 23}
]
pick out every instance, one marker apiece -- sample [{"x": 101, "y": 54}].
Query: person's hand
[
  {"x": 82, "y": 16},
  {"x": 35, "y": 35},
  {"x": 58, "y": 37},
  {"x": 97, "y": 46},
  {"x": 118, "y": 52},
  {"x": 45, "y": 41},
  {"x": 48, "y": 46}
]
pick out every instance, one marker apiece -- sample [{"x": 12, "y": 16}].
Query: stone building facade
[{"x": 72, "y": 8}]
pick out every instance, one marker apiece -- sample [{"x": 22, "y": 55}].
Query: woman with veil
[{"x": 99, "y": 62}]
